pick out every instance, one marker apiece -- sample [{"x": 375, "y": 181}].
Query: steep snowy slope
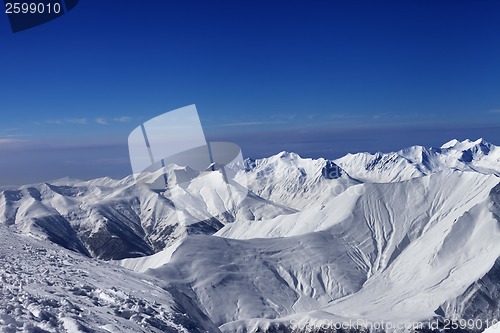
[
  {"x": 393, "y": 252},
  {"x": 235, "y": 279},
  {"x": 45, "y": 288},
  {"x": 409, "y": 204},
  {"x": 481, "y": 299},
  {"x": 111, "y": 219},
  {"x": 418, "y": 161},
  {"x": 453, "y": 252}
]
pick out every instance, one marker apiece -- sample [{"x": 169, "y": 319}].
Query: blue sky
[{"x": 321, "y": 78}]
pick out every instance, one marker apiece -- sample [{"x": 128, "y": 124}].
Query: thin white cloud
[
  {"x": 14, "y": 135},
  {"x": 250, "y": 123},
  {"x": 73, "y": 121},
  {"x": 344, "y": 116},
  {"x": 8, "y": 129},
  {"x": 10, "y": 141},
  {"x": 101, "y": 121},
  {"x": 77, "y": 121},
  {"x": 86, "y": 121},
  {"x": 68, "y": 121},
  {"x": 380, "y": 115},
  {"x": 11, "y": 135},
  {"x": 495, "y": 111},
  {"x": 123, "y": 119},
  {"x": 54, "y": 122}
]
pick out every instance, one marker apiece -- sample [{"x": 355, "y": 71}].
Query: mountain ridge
[{"x": 400, "y": 236}]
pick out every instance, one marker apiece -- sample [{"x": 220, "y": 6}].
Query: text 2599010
[{"x": 32, "y": 8}]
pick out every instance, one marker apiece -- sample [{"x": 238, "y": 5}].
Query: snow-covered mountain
[
  {"x": 296, "y": 182},
  {"x": 110, "y": 219},
  {"x": 390, "y": 252},
  {"x": 404, "y": 236},
  {"x": 418, "y": 161}
]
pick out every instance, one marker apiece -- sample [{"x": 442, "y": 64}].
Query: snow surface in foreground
[{"x": 45, "y": 288}]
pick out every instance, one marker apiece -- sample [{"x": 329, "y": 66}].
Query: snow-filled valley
[{"x": 405, "y": 236}]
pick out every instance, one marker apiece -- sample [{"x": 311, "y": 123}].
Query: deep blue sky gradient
[{"x": 321, "y": 78}]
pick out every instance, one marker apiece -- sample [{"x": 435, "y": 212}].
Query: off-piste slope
[
  {"x": 481, "y": 299},
  {"x": 388, "y": 252}
]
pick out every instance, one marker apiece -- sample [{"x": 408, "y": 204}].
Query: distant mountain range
[{"x": 412, "y": 235}]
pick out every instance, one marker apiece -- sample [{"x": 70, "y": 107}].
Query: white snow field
[
  {"x": 398, "y": 237},
  {"x": 46, "y": 288}
]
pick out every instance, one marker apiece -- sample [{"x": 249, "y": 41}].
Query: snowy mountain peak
[
  {"x": 472, "y": 151},
  {"x": 450, "y": 144},
  {"x": 332, "y": 170},
  {"x": 285, "y": 163},
  {"x": 418, "y": 161},
  {"x": 289, "y": 179},
  {"x": 286, "y": 156},
  {"x": 466, "y": 144}
]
